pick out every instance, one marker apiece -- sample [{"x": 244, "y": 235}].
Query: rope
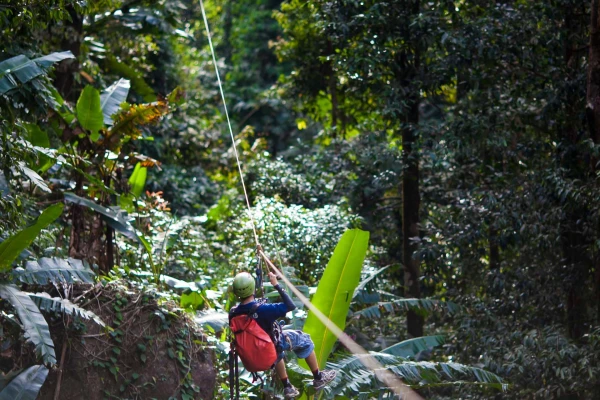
[
  {"x": 237, "y": 158},
  {"x": 388, "y": 378},
  {"x": 368, "y": 360}
]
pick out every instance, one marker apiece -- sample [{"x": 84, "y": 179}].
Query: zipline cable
[
  {"x": 237, "y": 158},
  {"x": 391, "y": 380}
]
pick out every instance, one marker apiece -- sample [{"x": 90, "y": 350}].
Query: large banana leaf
[
  {"x": 335, "y": 290},
  {"x": 421, "y": 306},
  {"x": 22, "y": 69},
  {"x": 54, "y": 270},
  {"x": 137, "y": 180},
  {"x": 56, "y": 304},
  {"x": 111, "y": 99},
  {"x": 411, "y": 347},
  {"x": 354, "y": 378},
  {"x": 112, "y": 215},
  {"x": 27, "y": 385},
  {"x": 34, "y": 324},
  {"x": 89, "y": 111},
  {"x": 15, "y": 244}
]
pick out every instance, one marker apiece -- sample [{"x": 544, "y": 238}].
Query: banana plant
[
  {"x": 28, "y": 306},
  {"x": 336, "y": 289}
]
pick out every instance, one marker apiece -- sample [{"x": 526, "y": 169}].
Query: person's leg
[
  {"x": 288, "y": 389},
  {"x": 303, "y": 347}
]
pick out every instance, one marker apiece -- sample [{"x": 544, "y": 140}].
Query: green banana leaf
[
  {"x": 89, "y": 112},
  {"x": 35, "y": 326},
  {"x": 54, "y": 270},
  {"x": 411, "y": 347},
  {"x": 137, "y": 180},
  {"x": 335, "y": 290},
  {"x": 112, "y": 215},
  {"x": 15, "y": 244},
  {"x": 27, "y": 385},
  {"x": 22, "y": 69},
  {"x": 64, "y": 306},
  {"x": 111, "y": 99}
]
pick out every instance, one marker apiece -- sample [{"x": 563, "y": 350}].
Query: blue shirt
[{"x": 268, "y": 313}]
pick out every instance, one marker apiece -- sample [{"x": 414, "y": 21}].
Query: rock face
[{"x": 149, "y": 352}]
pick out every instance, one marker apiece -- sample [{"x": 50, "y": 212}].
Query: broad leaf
[
  {"x": 56, "y": 304},
  {"x": 111, "y": 99},
  {"x": 54, "y": 270},
  {"x": 335, "y": 290},
  {"x": 47, "y": 61},
  {"x": 15, "y": 244},
  {"x": 34, "y": 324},
  {"x": 27, "y": 385},
  {"x": 33, "y": 176},
  {"x": 214, "y": 319},
  {"x": 137, "y": 180},
  {"x": 89, "y": 111},
  {"x": 354, "y": 378},
  {"x": 112, "y": 215},
  {"x": 20, "y": 69},
  {"x": 411, "y": 347},
  {"x": 420, "y": 306},
  {"x": 138, "y": 83}
]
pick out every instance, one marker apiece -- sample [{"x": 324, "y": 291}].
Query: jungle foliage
[{"x": 462, "y": 135}]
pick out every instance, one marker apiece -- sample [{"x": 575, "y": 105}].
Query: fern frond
[
  {"x": 35, "y": 326},
  {"x": 56, "y": 304},
  {"x": 54, "y": 270}
]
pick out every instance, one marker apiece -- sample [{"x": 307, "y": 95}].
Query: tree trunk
[
  {"x": 593, "y": 114},
  {"x": 410, "y": 216},
  {"x": 494, "y": 249}
]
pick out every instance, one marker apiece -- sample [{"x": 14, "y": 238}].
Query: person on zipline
[{"x": 297, "y": 341}]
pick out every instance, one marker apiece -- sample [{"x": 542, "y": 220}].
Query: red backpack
[{"x": 252, "y": 343}]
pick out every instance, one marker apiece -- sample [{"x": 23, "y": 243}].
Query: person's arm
[{"x": 284, "y": 296}]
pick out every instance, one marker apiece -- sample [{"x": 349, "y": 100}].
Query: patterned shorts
[{"x": 298, "y": 342}]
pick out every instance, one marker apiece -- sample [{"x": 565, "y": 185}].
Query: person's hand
[{"x": 273, "y": 278}]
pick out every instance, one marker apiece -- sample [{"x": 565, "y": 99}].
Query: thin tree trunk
[
  {"x": 494, "y": 249},
  {"x": 410, "y": 216},
  {"x": 332, "y": 91},
  {"x": 593, "y": 114}
]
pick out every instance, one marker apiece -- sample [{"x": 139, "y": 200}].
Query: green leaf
[
  {"x": 27, "y": 385},
  {"x": 54, "y": 270},
  {"x": 111, "y": 99},
  {"x": 411, "y": 347},
  {"x": 335, "y": 290},
  {"x": 34, "y": 177},
  {"x": 137, "y": 81},
  {"x": 192, "y": 300},
  {"x": 64, "y": 306},
  {"x": 15, "y": 244},
  {"x": 137, "y": 180},
  {"x": 89, "y": 111},
  {"x": 47, "y": 61},
  {"x": 112, "y": 215},
  {"x": 24, "y": 70},
  {"x": 34, "y": 324}
]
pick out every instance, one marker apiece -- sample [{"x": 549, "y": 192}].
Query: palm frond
[
  {"x": 27, "y": 385},
  {"x": 411, "y": 347},
  {"x": 56, "y": 304},
  {"x": 55, "y": 270},
  {"x": 35, "y": 326}
]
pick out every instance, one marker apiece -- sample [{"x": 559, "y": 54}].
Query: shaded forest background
[{"x": 463, "y": 135}]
